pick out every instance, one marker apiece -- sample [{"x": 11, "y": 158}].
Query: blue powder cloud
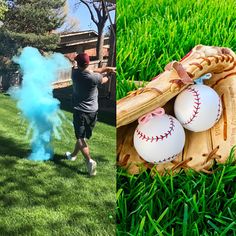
[{"x": 35, "y": 98}]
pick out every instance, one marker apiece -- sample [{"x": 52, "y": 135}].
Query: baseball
[
  {"x": 198, "y": 108},
  {"x": 160, "y": 139}
]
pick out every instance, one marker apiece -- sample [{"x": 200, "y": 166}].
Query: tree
[
  {"x": 101, "y": 9},
  {"x": 3, "y": 8},
  {"x": 112, "y": 50},
  {"x": 31, "y": 23},
  {"x": 71, "y": 23},
  {"x": 28, "y": 23}
]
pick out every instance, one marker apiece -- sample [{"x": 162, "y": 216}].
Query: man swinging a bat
[{"x": 85, "y": 106}]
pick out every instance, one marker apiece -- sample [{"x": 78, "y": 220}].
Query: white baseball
[
  {"x": 159, "y": 140},
  {"x": 198, "y": 108}
]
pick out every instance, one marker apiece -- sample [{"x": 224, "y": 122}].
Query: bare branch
[
  {"x": 97, "y": 11},
  {"x": 91, "y": 13},
  {"x": 104, "y": 13},
  {"x": 108, "y": 14},
  {"x": 108, "y": 1},
  {"x": 104, "y": 19}
]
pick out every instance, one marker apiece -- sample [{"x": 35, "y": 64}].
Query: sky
[{"x": 81, "y": 13}]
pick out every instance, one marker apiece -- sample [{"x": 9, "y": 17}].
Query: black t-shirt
[{"x": 85, "y": 92}]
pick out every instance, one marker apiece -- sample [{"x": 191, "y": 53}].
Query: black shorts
[{"x": 84, "y": 123}]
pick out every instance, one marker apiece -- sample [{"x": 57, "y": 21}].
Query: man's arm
[{"x": 105, "y": 70}]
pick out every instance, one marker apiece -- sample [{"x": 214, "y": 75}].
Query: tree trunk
[
  {"x": 100, "y": 44},
  {"x": 112, "y": 49},
  {"x": 112, "y": 62}
]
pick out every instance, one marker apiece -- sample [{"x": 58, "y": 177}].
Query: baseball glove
[{"x": 202, "y": 149}]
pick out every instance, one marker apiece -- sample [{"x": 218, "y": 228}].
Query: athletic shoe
[
  {"x": 91, "y": 165},
  {"x": 69, "y": 157}
]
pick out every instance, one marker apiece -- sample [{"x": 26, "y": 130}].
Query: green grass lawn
[
  {"x": 150, "y": 34},
  {"x": 188, "y": 204},
  {"x": 54, "y": 197}
]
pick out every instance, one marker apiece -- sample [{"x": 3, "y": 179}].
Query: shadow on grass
[
  {"x": 107, "y": 117},
  {"x": 6, "y": 94},
  {"x": 11, "y": 148},
  {"x": 64, "y": 166},
  {"x": 59, "y": 160},
  {"x": 27, "y": 229},
  {"x": 100, "y": 159},
  {"x": 30, "y": 187}
]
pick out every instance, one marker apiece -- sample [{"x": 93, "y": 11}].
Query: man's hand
[
  {"x": 104, "y": 80},
  {"x": 111, "y": 69},
  {"x": 105, "y": 70}
]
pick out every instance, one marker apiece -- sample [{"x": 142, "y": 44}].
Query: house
[
  {"x": 82, "y": 41},
  {"x": 77, "y": 42},
  {"x": 70, "y": 45}
]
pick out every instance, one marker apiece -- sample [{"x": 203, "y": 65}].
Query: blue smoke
[{"x": 35, "y": 98}]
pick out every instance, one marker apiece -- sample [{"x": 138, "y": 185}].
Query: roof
[
  {"x": 88, "y": 37},
  {"x": 62, "y": 35},
  {"x": 84, "y": 41}
]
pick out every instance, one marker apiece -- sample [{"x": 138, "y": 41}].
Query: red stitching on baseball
[
  {"x": 218, "y": 112},
  {"x": 166, "y": 159},
  {"x": 196, "y": 106},
  {"x": 160, "y": 137}
]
